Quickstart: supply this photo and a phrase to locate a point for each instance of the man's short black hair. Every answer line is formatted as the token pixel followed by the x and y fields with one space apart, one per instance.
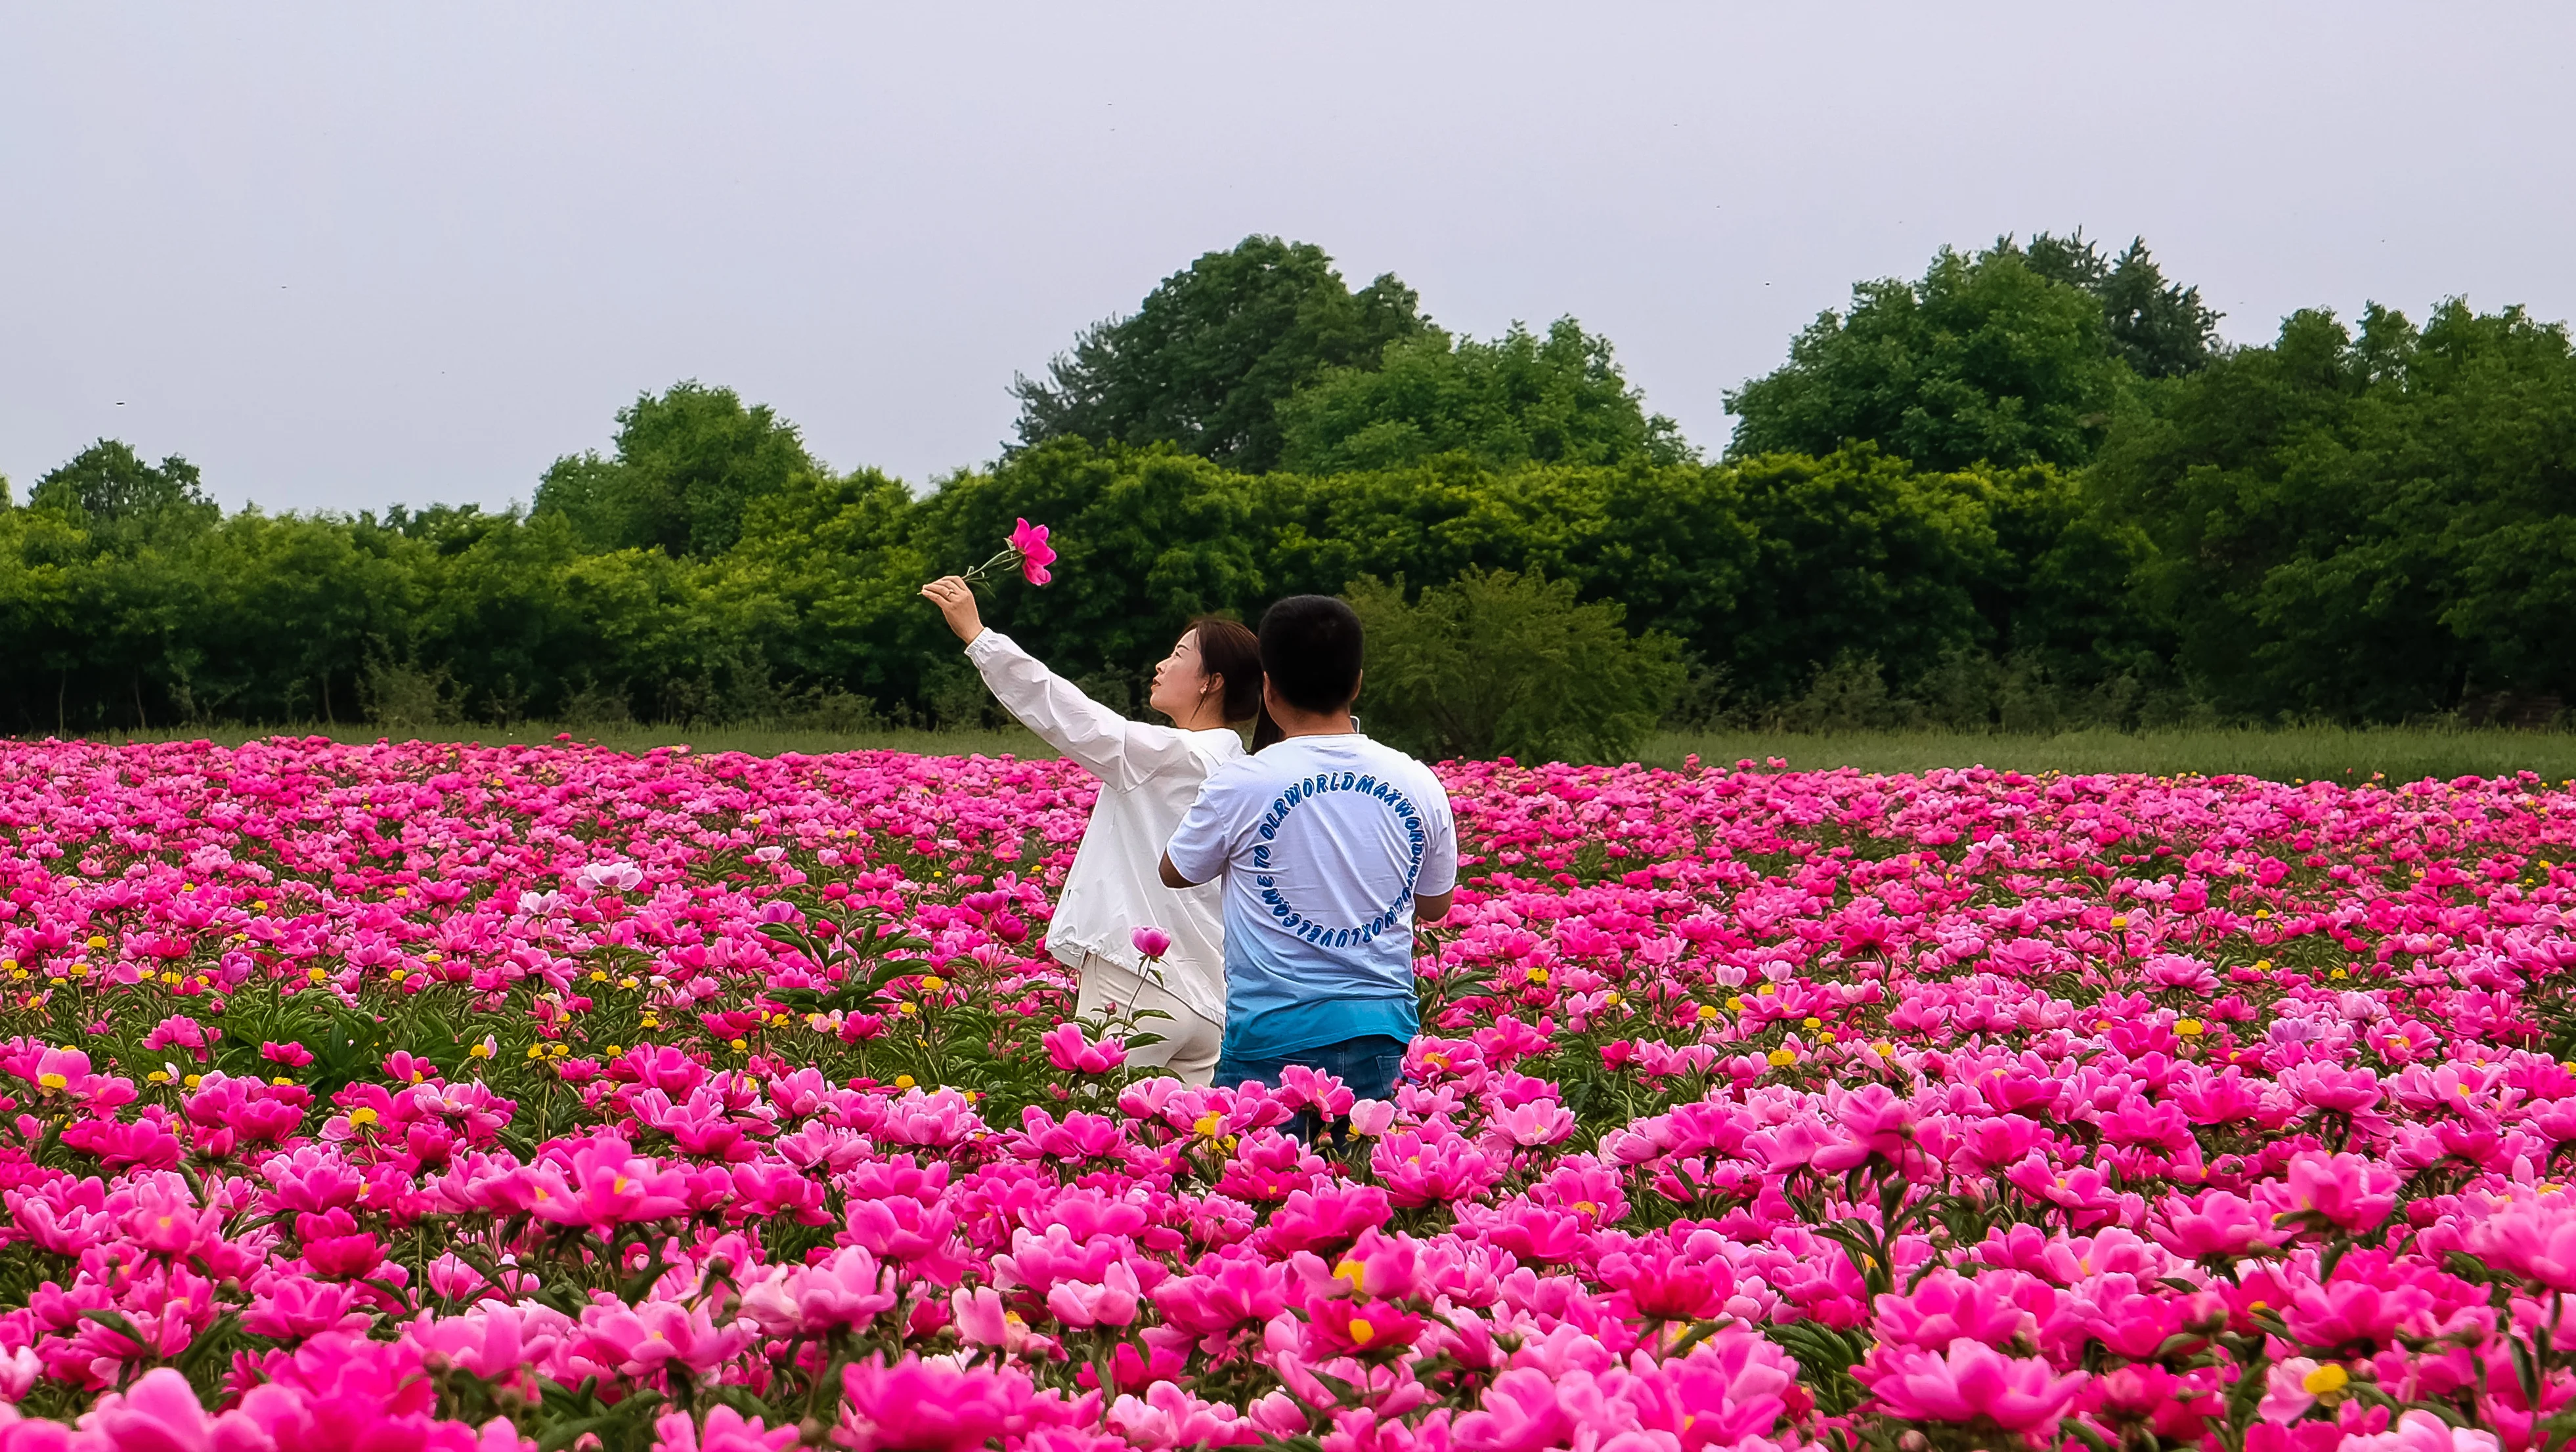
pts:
pixel 1310 650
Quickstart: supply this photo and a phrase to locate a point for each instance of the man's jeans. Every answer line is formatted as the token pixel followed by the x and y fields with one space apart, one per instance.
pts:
pixel 1368 1067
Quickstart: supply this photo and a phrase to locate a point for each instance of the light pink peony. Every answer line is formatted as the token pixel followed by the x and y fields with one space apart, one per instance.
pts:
pixel 1970 1382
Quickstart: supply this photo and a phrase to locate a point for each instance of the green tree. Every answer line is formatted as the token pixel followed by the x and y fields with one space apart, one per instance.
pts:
pixel 525 617
pixel 42 554
pixel 122 500
pixel 1672 544
pixel 832 564
pixel 687 465
pixel 1504 664
pixel 1987 359
pixel 1517 400
pixel 2160 329
pixel 1860 553
pixel 104 590
pixel 1208 357
pixel 2364 525
pixel 289 610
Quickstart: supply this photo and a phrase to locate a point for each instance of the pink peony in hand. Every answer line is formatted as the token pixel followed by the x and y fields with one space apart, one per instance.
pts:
pixel 1028 548
pixel 1030 541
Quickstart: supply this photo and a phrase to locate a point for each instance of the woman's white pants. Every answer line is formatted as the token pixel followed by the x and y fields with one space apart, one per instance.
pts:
pixel 1190 1043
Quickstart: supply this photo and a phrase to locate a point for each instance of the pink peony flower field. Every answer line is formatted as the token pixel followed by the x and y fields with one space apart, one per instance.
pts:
pixel 424 1096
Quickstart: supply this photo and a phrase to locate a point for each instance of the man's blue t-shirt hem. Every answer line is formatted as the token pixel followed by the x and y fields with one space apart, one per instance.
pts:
pixel 1284 1031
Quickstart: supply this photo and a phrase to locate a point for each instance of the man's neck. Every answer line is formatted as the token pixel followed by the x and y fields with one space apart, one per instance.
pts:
pixel 1314 723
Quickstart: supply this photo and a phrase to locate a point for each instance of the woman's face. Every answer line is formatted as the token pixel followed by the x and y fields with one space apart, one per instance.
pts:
pixel 1180 683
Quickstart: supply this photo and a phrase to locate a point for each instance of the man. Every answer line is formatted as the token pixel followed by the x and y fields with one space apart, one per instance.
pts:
pixel 1331 846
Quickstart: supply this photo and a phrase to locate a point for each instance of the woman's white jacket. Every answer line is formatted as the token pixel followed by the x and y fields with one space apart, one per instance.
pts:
pixel 1149 775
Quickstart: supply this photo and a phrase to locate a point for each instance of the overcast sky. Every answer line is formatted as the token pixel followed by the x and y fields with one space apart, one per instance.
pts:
pixel 343 256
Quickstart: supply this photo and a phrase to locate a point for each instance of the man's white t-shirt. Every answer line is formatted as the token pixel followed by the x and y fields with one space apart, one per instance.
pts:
pixel 1324 842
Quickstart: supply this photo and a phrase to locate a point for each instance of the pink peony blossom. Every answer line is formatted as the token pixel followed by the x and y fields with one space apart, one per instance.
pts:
pixel 918 1406
pixel 1970 1382
pixel 1030 542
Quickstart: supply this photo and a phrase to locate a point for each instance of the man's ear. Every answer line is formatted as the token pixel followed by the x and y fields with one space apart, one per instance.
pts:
pixel 1359 683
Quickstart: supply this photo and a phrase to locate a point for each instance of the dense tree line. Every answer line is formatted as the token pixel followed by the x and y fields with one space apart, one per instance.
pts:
pixel 1756 567
pixel 2027 488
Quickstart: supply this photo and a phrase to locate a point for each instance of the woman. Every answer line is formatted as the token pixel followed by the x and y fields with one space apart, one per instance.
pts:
pixel 1209 684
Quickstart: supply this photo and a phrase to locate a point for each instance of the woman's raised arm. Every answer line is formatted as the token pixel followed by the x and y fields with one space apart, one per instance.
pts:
pixel 1120 752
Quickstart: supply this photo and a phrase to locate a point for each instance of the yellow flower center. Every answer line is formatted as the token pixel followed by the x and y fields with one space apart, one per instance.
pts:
pixel 2325 1379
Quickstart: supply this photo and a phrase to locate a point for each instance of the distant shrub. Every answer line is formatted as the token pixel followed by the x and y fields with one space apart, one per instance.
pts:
pixel 405 698
pixel 1504 664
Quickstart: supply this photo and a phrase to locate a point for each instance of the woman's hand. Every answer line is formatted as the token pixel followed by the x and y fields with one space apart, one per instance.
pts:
pixel 956 600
